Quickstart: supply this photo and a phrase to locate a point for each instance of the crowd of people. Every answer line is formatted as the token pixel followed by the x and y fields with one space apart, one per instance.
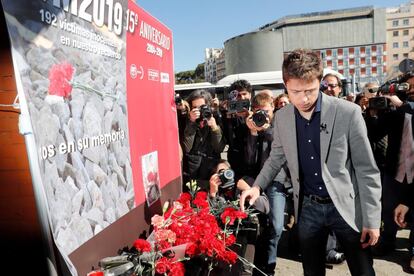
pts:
pixel 342 161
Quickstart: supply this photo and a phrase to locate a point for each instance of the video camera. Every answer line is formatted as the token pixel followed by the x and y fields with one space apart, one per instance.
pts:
pixel 396 86
pixel 238 106
pixel 227 180
pixel 260 117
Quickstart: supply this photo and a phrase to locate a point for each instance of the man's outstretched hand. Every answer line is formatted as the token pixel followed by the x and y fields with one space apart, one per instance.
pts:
pixel 252 194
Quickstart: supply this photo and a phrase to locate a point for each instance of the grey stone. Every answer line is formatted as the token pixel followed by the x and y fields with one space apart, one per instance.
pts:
pixel 94 216
pixel 117 169
pixel 110 215
pixel 61 109
pixel 47 128
pixel 66 240
pixel 96 195
pixel 77 103
pixel 81 228
pixel 77 202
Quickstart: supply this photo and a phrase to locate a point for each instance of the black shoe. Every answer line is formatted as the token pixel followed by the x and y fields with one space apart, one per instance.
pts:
pixel 335 258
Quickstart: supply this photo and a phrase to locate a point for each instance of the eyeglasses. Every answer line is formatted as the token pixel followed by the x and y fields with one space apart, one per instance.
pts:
pixel 332 85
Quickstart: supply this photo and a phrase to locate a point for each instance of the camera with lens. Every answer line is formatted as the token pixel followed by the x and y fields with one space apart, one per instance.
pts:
pixel 260 117
pixel 178 100
pixel 396 86
pixel 237 106
pixel 205 112
pixel 227 179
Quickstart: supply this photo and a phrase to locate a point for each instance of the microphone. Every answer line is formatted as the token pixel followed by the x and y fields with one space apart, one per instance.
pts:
pixel 323 128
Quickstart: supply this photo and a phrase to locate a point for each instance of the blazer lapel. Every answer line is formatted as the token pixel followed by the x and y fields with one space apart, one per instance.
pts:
pixel 328 113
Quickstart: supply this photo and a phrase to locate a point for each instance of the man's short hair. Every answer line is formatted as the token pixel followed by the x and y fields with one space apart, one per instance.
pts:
pixel 241 85
pixel 303 64
pixel 338 80
pixel 261 99
pixel 199 94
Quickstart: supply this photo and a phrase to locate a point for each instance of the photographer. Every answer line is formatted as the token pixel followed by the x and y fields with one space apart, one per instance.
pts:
pixel 222 188
pixel 203 139
pixel 235 129
pixel 183 109
pixel 399 162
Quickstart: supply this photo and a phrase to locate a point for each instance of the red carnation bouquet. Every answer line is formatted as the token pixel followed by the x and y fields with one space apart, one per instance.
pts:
pixel 187 231
pixel 61 83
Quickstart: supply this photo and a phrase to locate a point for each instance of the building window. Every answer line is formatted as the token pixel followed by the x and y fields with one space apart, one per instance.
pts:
pixel 323 55
pixel 368 50
pixel 405 32
pixel 395 56
pixel 379 49
pixel 395 45
pixel 363 71
pixel 368 61
pixel 405 44
pixel 406 22
pixel 346 63
pixel 395 33
pixel 345 52
pixel 405 55
pixel 357 73
pixel 368 70
pixel 328 53
pixel 357 51
pixel 357 61
pixel 395 23
pixel 340 52
pixel 379 61
pixel 334 53
pixel 335 65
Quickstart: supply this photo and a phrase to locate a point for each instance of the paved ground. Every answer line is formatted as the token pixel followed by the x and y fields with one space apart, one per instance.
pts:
pixel 394 265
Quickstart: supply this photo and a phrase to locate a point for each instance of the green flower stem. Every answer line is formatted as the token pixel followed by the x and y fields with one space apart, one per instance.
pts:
pixel 90 89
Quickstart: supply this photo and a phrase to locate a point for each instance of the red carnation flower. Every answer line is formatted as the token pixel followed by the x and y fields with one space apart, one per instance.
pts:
pixel 60 76
pixel 177 269
pixel 142 245
pixel 162 265
pixel 230 215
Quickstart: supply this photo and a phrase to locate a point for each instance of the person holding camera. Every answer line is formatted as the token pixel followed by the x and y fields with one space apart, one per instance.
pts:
pixel 222 188
pixel 203 139
pixel 336 183
pixel 234 123
pixel 397 125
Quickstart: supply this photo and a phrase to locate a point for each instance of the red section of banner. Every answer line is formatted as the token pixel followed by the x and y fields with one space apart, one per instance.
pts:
pixel 150 98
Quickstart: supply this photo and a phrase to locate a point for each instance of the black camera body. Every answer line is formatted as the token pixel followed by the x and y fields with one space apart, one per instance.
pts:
pixel 205 112
pixel 260 117
pixel 178 100
pixel 396 86
pixel 227 179
pixel 237 106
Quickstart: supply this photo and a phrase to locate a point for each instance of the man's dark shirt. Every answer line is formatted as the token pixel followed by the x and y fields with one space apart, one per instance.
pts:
pixel 309 152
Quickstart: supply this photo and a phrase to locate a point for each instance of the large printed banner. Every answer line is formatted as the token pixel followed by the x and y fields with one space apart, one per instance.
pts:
pixel 97 77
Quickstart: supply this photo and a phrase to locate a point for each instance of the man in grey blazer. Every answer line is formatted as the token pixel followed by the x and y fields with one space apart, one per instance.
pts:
pixel 336 183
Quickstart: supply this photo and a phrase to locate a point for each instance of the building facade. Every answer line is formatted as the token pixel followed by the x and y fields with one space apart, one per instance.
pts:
pixel 212 56
pixel 400 36
pixel 350 41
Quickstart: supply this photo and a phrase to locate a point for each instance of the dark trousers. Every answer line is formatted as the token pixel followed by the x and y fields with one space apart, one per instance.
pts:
pixel 315 222
pixel 391 192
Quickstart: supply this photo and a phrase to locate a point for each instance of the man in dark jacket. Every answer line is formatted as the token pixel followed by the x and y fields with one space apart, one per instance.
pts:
pixel 203 140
